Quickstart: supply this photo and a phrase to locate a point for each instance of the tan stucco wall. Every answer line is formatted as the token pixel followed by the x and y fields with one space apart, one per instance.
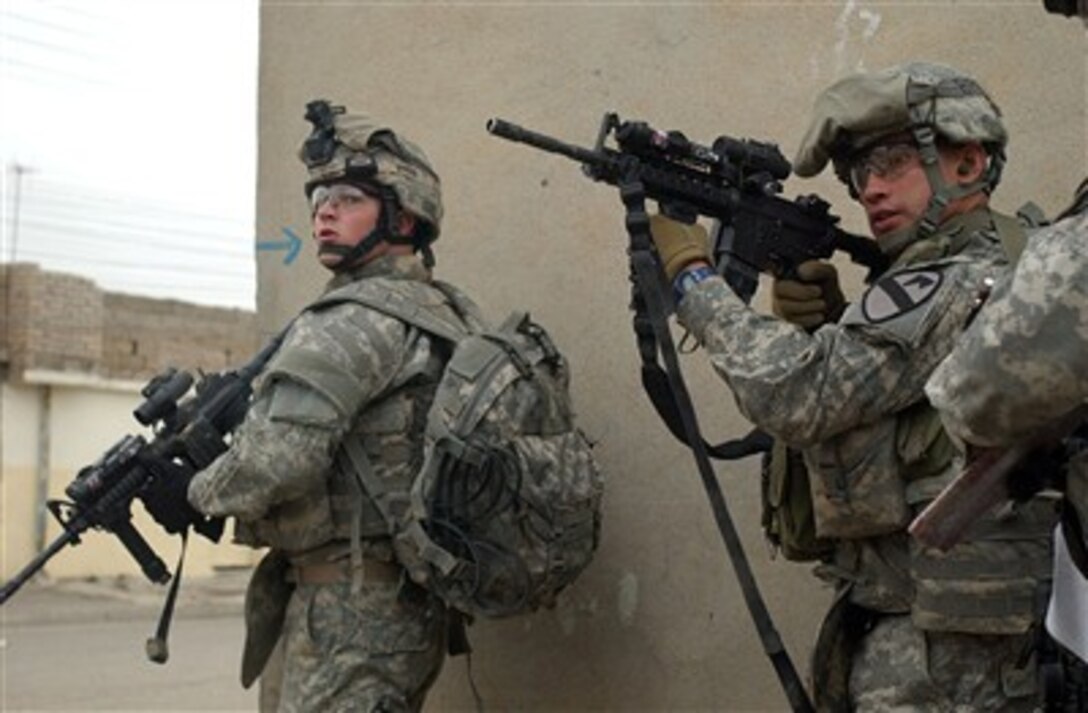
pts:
pixel 657 622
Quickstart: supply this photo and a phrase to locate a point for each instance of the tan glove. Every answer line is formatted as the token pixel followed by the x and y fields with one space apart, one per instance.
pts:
pixel 813 299
pixel 678 244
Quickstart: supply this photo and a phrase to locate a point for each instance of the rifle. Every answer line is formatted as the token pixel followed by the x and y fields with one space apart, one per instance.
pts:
pixel 736 182
pixel 192 432
pixel 983 485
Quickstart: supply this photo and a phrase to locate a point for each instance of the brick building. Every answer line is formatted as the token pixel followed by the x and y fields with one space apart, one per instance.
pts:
pixel 58 322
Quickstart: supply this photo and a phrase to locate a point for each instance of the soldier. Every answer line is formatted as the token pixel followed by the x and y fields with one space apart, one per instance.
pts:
pixel 356 633
pixel 1022 366
pixel 921 147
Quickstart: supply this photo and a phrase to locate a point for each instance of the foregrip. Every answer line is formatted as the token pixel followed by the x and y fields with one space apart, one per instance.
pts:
pixel 153 567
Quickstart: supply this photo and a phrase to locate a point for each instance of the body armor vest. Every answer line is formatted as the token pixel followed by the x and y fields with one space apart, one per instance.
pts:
pixel 386 435
pixel 867 485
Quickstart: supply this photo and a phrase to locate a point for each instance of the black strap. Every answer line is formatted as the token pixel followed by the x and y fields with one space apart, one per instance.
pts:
pixel 656 383
pixel 156 647
pixel 1073 530
pixel 651 314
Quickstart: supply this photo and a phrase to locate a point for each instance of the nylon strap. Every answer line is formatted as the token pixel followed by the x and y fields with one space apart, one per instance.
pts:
pixel 651 310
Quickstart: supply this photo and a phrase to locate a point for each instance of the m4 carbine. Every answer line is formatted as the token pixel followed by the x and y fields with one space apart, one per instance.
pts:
pixel 736 182
pixel 188 433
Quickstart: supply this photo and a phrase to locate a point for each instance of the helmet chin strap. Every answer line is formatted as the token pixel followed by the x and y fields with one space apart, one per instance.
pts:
pixel 351 254
pixel 921 100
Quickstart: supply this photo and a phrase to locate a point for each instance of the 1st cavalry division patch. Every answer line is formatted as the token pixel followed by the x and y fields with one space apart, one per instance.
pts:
pixel 897 294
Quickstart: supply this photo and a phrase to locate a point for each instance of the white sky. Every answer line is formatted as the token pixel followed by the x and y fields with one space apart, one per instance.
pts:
pixel 135 121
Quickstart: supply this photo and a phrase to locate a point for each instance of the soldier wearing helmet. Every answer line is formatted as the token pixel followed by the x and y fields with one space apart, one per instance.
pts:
pixel 920 146
pixel 349 154
pixel 345 396
pixel 1017 380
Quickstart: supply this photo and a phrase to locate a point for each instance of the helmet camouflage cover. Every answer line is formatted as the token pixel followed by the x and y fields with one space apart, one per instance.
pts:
pixel 354 147
pixel 861 108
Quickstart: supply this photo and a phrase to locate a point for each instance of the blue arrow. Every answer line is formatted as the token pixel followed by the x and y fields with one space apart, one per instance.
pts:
pixel 292 245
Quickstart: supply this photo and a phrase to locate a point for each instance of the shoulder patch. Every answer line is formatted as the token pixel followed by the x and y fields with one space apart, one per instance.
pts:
pixel 900 293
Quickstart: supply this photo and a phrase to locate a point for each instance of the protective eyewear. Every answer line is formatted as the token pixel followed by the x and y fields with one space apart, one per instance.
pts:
pixel 886 161
pixel 338 196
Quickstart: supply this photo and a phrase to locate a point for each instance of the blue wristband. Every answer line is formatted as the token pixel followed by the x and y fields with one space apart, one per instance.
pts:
pixel 689 278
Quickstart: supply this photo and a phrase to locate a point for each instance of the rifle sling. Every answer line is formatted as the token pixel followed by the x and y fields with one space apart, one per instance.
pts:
pixel 650 305
pixel 156 647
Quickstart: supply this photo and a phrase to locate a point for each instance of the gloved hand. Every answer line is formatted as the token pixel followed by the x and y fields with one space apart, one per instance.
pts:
pixel 678 244
pixel 1043 467
pixel 811 300
pixel 166 496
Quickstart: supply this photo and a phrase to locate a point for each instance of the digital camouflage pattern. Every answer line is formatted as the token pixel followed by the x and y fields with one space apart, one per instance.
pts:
pixel 1024 361
pixel 280 479
pixel 502 427
pixel 399 164
pixel 864 106
pixel 375 650
pixel 900 667
pixel 1023 364
pixel 850 395
pixel 505 510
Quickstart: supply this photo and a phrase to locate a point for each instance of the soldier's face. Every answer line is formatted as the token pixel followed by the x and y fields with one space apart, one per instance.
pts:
pixel 343 215
pixel 897 199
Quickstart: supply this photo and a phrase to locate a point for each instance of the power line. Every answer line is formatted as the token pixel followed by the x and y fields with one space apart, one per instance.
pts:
pixel 82 261
pixel 53 47
pixel 128 204
pixel 98 233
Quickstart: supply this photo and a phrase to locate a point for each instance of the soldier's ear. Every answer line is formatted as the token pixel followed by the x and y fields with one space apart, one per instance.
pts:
pixel 972 163
pixel 405 223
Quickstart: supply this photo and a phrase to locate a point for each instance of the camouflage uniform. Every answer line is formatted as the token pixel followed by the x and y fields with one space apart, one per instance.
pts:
pixel 356 634
pixel 911 628
pixel 1023 363
pixel 1025 359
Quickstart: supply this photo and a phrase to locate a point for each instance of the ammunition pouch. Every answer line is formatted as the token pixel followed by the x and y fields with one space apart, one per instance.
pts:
pixel 857 486
pixel 991 582
pixel 788 520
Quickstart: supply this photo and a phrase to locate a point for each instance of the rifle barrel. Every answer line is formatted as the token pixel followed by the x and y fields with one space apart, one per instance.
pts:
pixel 513 132
pixel 13 585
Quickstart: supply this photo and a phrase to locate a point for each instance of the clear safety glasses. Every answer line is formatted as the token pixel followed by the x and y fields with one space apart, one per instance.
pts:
pixel 338 195
pixel 887 161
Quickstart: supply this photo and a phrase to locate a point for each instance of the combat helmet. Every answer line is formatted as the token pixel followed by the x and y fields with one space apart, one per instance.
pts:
pixel 356 149
pixel 926 99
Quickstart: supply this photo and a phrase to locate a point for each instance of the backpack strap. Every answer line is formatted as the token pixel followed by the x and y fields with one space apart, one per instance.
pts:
pixel 466 309
pixel 1011 233
pixel 403 300
pixel 413 303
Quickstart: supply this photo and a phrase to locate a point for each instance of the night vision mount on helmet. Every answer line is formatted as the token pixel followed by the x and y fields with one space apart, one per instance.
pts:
pixel 353 148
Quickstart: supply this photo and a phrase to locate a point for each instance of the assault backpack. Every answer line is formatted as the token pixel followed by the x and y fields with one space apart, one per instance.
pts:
pixel 505 510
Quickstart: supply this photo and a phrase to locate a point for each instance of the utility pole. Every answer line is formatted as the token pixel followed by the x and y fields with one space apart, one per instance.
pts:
pixel 18 170
pixel 45 395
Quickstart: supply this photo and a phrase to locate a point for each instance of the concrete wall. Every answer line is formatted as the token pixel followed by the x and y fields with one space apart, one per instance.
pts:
pixel 657 623
pixel 81 421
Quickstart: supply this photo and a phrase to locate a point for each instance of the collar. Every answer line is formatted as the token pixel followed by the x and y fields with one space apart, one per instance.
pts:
pixel 952 237
pixel 396 267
